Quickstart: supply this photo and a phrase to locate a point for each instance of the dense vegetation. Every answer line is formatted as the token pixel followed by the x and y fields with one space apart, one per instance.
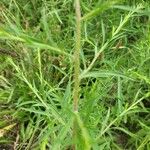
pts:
pixel 48 102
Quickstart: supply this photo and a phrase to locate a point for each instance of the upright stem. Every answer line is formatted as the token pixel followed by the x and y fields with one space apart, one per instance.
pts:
pixel 77 56
pixel 76 68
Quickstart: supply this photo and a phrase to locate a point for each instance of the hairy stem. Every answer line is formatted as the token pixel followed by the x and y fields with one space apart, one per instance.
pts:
pixel 77 56
pixel 76 67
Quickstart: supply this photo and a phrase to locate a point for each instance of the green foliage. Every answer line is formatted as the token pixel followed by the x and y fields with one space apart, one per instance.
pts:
pixel 36 83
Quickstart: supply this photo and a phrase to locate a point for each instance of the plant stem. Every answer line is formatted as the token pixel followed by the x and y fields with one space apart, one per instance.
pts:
pixel 76 67
pixel 77 56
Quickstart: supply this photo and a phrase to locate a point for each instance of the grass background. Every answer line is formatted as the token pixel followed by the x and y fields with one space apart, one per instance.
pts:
pixel 36 75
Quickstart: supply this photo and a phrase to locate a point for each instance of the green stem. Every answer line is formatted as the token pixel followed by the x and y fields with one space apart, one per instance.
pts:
pixel 77 56
pixel 76 68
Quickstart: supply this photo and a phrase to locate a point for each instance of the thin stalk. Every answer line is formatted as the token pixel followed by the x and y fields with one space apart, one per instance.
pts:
pixel 76 63
pixel 94 59
pixel 77 56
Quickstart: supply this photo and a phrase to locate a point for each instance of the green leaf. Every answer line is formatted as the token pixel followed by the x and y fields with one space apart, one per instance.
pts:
pixel 99 10
pixel 97 74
